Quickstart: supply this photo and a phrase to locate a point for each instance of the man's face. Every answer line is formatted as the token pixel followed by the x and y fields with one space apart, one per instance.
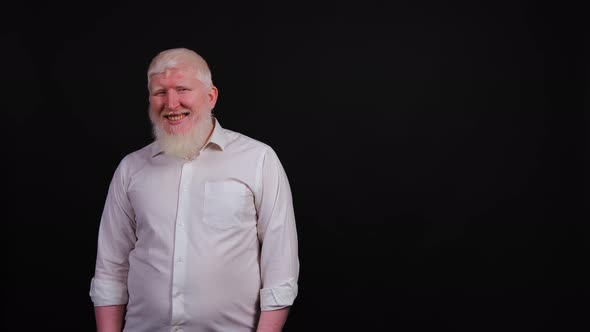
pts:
pixel 178 100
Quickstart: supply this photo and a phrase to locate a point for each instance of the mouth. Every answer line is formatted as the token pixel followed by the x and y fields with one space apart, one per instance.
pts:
pixel 176 116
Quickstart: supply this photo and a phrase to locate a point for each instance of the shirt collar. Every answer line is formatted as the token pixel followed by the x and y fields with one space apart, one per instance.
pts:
pixel 218 137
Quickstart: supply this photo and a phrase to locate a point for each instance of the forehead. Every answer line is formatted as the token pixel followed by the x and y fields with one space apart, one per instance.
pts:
pixel 174 76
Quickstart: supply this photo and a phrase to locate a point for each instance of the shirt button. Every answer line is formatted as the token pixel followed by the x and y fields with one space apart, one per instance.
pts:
pixel 179 259
pixel 177 294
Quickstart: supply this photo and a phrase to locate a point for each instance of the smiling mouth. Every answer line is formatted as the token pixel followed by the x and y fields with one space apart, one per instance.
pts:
pixel 176 116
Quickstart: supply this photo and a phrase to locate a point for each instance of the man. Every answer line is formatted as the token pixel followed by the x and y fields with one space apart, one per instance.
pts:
pixel 198 230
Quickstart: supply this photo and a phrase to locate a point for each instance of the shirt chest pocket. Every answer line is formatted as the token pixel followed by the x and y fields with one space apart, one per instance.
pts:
pixel 225 203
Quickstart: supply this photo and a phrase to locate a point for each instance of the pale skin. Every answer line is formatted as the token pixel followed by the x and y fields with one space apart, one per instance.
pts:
pixel 178 99
pixel 109 318
pixel 272 321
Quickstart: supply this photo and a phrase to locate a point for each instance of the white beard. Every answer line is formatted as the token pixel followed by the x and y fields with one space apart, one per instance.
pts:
pixel 185 145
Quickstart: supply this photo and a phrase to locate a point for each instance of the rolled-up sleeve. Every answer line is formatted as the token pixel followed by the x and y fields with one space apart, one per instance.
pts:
pixel 116 239
pixel 277 234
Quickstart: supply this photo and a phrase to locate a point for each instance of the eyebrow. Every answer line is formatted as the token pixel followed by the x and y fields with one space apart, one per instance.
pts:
pixel 159 88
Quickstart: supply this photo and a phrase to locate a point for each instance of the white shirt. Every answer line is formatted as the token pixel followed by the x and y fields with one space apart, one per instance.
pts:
pixel 198 245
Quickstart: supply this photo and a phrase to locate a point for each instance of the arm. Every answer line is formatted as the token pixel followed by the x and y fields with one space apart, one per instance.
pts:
pixel 116 238
pixel 109 318
pixel 279 262
pixel 272 321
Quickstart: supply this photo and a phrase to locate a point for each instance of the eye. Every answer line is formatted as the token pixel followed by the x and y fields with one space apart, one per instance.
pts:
pixel 160 93
pixel 182 89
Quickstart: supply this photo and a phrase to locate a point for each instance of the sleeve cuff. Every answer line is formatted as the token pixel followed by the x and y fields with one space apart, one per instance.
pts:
pixel 278 297
pixel 108 292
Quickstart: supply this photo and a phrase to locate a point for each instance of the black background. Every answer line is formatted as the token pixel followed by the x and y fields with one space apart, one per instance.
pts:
pixel 437 151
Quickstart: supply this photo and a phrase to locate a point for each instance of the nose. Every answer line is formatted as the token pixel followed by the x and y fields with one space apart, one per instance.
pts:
pixel 172 102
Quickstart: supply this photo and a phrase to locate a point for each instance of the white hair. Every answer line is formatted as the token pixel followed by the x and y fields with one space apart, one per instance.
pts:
pixel 183 145
pixel 180 58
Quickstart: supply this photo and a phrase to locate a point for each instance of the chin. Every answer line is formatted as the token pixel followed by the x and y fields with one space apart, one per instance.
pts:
pixel 182 141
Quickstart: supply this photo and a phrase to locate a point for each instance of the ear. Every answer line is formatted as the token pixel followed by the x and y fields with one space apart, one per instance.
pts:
pixel 212 95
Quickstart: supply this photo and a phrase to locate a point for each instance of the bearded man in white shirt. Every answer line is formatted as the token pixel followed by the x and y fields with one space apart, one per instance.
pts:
pixel 198 230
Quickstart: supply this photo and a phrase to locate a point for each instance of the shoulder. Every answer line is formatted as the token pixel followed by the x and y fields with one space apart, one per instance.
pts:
pixel 238 141
pixel 138 159
pixel 261 153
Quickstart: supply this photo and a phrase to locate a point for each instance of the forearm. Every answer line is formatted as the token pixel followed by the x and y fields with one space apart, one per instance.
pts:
pixel 109 318
pixel 273 320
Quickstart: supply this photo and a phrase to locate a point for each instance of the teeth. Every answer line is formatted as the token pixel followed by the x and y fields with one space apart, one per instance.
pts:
pixel 175 117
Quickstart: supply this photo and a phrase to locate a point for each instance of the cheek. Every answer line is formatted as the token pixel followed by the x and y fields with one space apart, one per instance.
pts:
pixel 155 105
pixel 186 102
pixel 193 102
pixel 154 112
